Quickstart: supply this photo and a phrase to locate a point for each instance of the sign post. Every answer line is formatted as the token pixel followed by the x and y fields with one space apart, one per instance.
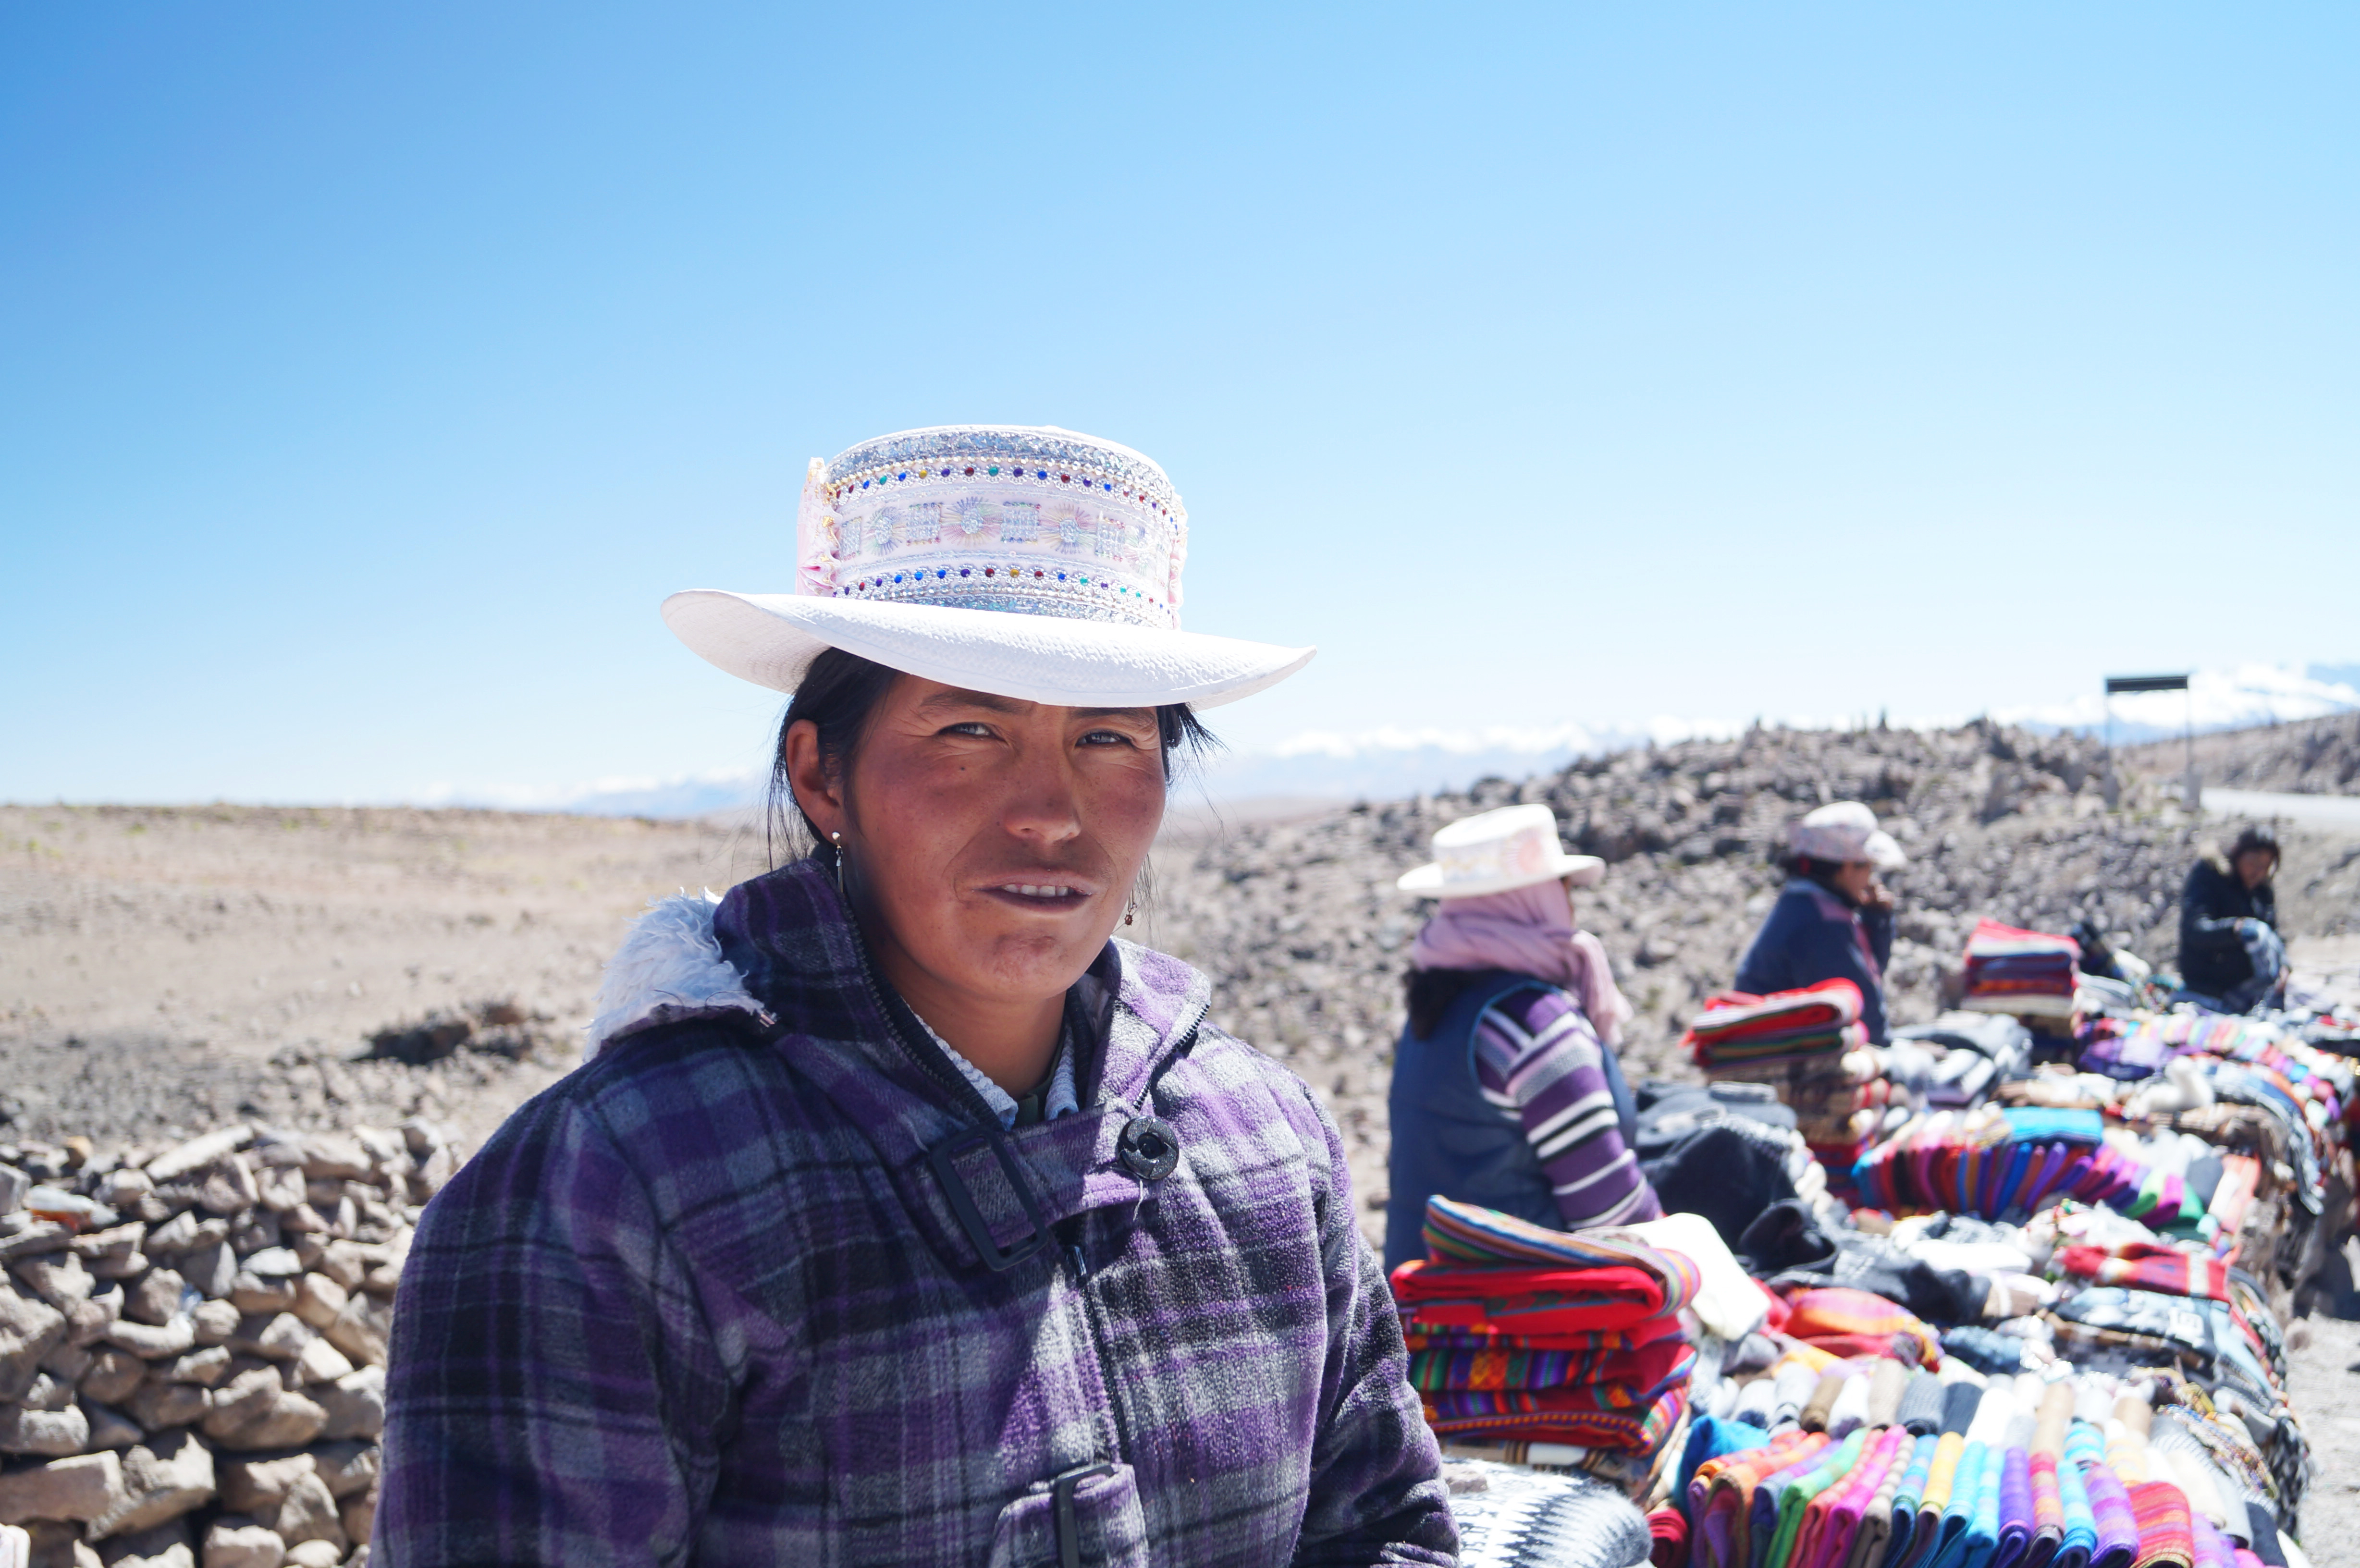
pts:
pixel 2116 684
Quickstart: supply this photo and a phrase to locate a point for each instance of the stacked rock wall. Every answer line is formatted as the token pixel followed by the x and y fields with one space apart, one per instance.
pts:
pixel 193 1342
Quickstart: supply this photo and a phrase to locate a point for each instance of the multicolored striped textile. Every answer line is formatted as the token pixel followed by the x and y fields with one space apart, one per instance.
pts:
pixel 1489 1271
pixel 2110 1509
pixel 1646 1331
pixel 2048 1509
pixel 2009 970
pixel 1778 1503
pixel 1516 1303
pixel 2147 1266
pixel 2019 1519
pixel 1648 1370
pixel 1784 1026
pixel 2081 1540
pixel 1845 1322
pixel 1577 1398
pixel 1721 1498
pixel 2167 1540
pixel 1527 1301
pixel 1643 1430
pixel 1470 1234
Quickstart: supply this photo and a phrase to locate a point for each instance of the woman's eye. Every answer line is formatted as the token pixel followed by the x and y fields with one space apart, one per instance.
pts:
pixel 1106 738
pixel 972 727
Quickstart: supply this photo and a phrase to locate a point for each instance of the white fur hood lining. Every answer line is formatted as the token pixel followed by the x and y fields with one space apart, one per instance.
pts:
pixel 669 966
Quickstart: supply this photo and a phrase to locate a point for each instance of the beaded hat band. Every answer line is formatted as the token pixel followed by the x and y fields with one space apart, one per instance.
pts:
pixel 1038 521
pixel 1031 562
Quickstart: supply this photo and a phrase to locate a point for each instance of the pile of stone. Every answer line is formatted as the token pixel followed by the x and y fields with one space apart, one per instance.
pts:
pixel 193 1342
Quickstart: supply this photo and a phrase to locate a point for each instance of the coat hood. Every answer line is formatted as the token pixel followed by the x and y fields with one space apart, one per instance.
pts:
pixel 670 967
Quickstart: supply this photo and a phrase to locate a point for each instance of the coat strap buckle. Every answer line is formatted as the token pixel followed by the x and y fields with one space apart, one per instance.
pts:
pixel 944 1156
pixel 1069 1534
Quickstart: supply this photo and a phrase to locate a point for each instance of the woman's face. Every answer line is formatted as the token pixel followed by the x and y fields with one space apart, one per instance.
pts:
pixel 993 843
pixel 2254 867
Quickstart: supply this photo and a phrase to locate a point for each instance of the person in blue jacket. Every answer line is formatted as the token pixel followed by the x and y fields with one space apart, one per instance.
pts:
pixel 1834 919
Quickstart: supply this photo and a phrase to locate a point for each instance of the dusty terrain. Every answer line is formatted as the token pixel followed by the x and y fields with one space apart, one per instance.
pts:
pixel 163 969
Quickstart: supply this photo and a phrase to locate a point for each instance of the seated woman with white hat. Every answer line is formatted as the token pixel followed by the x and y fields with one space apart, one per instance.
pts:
pixel 900 1214
pixel 1506 1091
pixel 1834 919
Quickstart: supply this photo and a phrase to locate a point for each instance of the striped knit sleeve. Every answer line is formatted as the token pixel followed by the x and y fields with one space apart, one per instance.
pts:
pixel 1538 1060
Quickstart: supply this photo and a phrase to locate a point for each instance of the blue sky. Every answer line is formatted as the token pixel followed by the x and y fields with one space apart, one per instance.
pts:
pixel 367 373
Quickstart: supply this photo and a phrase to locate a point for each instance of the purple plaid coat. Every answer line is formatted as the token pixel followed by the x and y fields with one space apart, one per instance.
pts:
pixel 726 1296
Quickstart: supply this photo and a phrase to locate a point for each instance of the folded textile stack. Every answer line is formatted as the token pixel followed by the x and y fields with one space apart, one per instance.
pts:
pixel 2026 974
pixel 1521 1333
pixel 1809 1047
pixel 1736 1028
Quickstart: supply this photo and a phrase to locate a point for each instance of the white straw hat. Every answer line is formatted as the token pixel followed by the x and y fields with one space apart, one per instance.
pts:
pixel 1846 831
pixel 1029 563
pixel 1515 847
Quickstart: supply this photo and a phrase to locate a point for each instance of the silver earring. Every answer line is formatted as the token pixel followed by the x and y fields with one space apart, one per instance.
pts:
pixel 836 839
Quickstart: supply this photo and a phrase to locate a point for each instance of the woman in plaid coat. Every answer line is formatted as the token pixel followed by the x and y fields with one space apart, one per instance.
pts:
pixel 900 1214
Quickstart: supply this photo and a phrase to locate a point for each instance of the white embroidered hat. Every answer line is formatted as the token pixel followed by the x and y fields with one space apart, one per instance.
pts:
pixel 1846 831
pixel 1029 563
pixel 1515 847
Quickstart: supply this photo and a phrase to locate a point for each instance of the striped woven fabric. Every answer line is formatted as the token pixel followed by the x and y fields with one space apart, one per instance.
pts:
pixel 1470 1234
pixel 1572 1397
pixel 2167 1540
pixel 2145 1265
pixel 1646 1369
pixel 1642 1431
pixel 1720 1495
pixel 1527 1301
pixel 1646 1331
pixel 1845 1322
pixel 1817 1021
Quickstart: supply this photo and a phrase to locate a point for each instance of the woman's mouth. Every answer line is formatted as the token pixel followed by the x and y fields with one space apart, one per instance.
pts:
pixel 1042 895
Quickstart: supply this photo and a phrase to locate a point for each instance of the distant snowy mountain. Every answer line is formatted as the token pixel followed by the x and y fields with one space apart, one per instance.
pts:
pixel 2215 700
pixel 1387 763
pixel 689 795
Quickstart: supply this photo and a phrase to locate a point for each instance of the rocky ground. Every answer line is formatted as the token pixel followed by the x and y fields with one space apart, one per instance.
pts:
pixel 2315 757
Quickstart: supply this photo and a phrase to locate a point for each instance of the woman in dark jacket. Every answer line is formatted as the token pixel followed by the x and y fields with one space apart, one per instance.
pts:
pixel 2230 950
pixel 1833 919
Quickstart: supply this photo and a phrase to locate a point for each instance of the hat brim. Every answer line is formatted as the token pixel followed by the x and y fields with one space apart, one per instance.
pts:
pixel 1884 853
pixel 771 639
pixel 1425 881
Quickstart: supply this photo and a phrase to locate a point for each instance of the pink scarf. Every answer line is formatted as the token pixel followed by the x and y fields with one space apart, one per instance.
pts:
pixel 1526 931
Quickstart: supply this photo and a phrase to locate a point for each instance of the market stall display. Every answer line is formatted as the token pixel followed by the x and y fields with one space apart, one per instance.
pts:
pixel 2034 1320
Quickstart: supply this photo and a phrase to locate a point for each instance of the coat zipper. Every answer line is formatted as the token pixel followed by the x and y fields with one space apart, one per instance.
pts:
pixel 936 1065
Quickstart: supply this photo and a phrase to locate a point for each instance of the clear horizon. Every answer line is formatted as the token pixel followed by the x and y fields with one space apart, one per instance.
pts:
pixel 374 374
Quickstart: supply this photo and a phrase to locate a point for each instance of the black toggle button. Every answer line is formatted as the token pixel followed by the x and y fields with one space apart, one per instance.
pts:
pixel 1149 1147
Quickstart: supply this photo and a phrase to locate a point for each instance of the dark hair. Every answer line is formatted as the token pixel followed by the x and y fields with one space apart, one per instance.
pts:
pixel 2258 836
pixel 839 694
pixel 1812 869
